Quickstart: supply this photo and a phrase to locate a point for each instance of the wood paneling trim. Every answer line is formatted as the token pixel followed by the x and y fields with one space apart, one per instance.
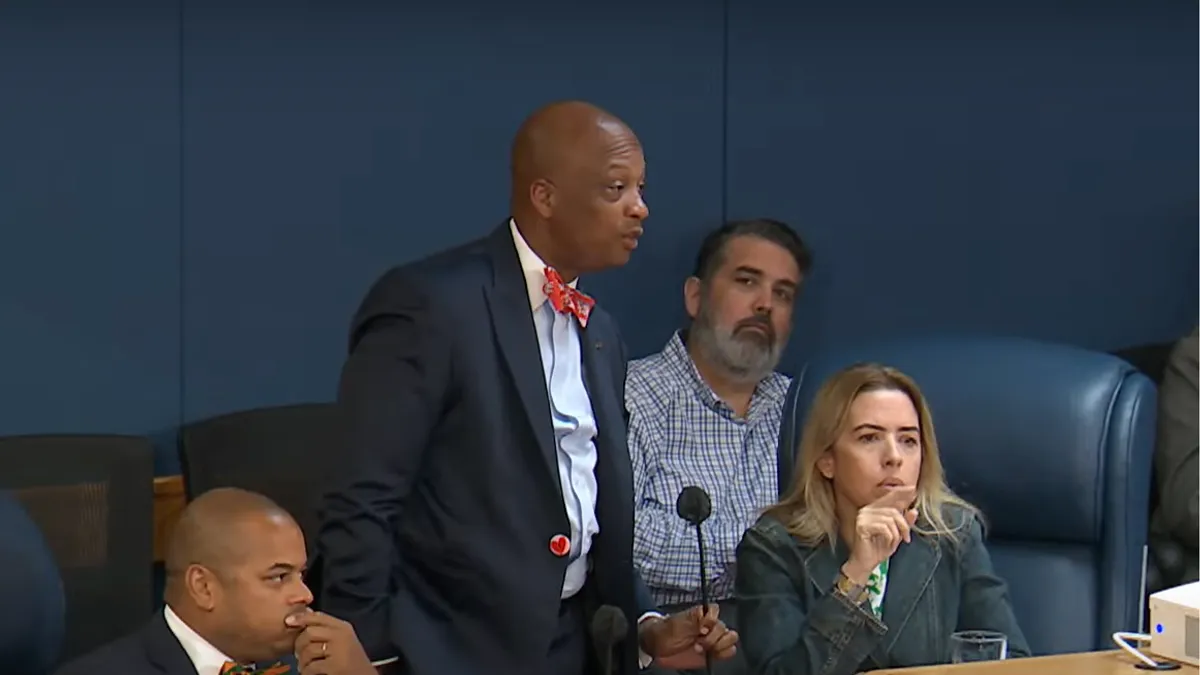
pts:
pixel 169 500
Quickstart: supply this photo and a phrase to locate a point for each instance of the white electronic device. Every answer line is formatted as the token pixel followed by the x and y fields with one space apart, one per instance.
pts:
pixel 1175 624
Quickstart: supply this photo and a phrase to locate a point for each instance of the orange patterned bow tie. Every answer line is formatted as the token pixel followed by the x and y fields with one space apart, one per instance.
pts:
pixel 231 668
pixel 565 299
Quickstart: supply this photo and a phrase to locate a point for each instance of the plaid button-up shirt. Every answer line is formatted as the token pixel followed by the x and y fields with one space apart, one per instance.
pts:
pixel 681 434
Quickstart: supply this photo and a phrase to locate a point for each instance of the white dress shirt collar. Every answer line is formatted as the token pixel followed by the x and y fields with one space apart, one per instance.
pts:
pixel 207 659
pixel 533 267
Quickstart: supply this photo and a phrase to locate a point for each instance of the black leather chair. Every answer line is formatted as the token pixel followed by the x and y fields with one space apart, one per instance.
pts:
pixel 1055 444
pixel 92 497
pixel 283 452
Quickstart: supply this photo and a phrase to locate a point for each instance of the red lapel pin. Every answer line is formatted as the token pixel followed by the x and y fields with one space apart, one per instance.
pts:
pixel 560 545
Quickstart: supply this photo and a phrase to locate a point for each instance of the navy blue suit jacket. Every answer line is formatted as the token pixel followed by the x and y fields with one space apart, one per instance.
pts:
pixel 435 542
pixel 152 650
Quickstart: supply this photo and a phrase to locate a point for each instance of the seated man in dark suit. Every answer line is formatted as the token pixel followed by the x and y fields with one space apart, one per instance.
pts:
pixel 235 596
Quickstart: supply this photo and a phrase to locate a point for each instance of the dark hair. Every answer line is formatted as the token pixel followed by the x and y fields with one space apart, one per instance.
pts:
pixel 712 249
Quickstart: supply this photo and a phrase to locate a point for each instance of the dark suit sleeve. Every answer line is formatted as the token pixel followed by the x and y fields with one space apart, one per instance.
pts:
pixel 643 598
pixel 624 377
pixel 391 393
pixel 645 602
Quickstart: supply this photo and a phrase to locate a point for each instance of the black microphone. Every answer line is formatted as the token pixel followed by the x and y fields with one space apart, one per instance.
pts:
pixel 609 627
pixel 695 506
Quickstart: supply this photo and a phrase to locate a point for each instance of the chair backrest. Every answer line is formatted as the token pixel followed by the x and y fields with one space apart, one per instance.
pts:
pixel 282 452
pixel 31 592
pixel 1055 445
pixel 92 497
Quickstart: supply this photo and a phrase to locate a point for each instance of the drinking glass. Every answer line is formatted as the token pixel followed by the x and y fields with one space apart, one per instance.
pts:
pixel 978 645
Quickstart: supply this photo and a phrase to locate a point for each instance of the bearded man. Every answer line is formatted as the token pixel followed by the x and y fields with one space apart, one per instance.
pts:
pixel 706 411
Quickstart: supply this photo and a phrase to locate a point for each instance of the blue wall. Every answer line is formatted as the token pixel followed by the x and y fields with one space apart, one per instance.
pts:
pixel 194 196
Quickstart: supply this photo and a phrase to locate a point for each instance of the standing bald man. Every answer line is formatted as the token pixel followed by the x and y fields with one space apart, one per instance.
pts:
pixel 487 507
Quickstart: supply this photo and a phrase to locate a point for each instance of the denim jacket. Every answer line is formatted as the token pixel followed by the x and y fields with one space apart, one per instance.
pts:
pixel 792 623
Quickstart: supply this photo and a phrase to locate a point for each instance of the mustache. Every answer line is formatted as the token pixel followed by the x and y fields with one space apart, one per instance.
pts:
pixel 758 321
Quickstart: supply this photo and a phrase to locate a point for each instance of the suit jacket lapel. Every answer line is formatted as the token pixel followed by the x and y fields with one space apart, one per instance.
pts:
pixel 512 321
pixel 613 473
pixel 612 547
pixel 162 648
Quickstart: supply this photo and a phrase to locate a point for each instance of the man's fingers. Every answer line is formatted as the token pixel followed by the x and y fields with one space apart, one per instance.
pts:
pixel 315 634
pixel 306 655
pixel 714 635
pixel 696 621
pixel 898 498
pixel 319 667
pixel 298 619
pixel 313 618
pixel 726 645
pixel 709 619
pixel 310 644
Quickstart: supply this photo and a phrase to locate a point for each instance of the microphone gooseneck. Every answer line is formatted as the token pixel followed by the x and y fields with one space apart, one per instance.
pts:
pixel 695 506
pixel 609 627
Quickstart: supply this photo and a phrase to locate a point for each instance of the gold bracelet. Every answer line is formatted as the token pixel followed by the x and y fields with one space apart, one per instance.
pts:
pixel 854 592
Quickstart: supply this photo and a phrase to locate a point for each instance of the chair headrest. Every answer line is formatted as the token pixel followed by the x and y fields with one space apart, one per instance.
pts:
pixel 1023 426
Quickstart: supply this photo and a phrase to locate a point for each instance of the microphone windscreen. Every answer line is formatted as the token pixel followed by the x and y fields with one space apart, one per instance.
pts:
pixel 693 505
pixel 609 626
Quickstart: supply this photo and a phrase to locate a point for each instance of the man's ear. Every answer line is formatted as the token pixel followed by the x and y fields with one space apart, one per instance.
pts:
pixel 541 195
pixel 202 585
pixel 692 290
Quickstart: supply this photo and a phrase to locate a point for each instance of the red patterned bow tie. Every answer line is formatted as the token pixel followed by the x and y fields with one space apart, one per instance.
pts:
pixel 565 299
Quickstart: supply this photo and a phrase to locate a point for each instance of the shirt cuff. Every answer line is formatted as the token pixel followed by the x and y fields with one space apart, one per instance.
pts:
pixel 644 659
pixel 385 662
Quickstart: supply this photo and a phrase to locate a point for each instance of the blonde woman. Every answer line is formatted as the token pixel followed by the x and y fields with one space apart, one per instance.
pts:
pixel 870 561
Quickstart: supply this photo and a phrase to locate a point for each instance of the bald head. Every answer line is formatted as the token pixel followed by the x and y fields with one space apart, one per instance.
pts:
pixel 235 573
pixel 213 528
pixel 557 138
pixel 578 174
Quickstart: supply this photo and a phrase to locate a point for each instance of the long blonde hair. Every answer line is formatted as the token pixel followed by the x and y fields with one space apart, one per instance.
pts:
pixel 808 510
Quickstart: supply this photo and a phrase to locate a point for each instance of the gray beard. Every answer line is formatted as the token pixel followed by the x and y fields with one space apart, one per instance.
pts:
pixel 745 358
